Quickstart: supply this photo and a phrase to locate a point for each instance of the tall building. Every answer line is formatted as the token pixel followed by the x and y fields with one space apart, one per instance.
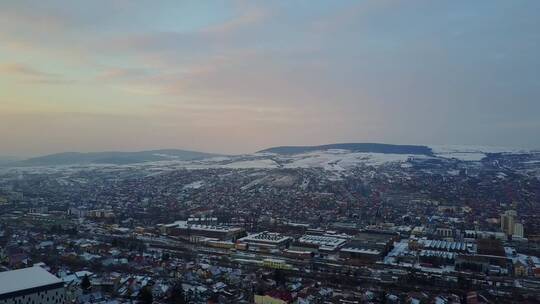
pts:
pixel 508 220
pixel 518 230
pixel 31 285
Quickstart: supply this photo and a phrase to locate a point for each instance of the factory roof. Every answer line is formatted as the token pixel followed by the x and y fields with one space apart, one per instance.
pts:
pixel 361 250
pixel 444 245
pixel 197 227
pixel 26 278
pixel 435 253
pixel 266 237
pixel 327 242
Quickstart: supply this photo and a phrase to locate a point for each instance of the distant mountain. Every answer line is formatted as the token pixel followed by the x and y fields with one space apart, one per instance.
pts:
pixel 5 160
pixel 354 147
pixel 117 158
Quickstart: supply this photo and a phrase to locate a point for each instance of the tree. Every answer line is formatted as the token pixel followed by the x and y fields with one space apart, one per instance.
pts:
pixel 464 283
pixel 165 257
pixel 214 298
pixel 279 277
pixel 177 295
pixel 85 283
pixel 146 296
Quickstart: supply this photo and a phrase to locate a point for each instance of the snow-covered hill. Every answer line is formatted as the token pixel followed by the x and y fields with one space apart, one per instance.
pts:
pixel 470 153
pixel 336 160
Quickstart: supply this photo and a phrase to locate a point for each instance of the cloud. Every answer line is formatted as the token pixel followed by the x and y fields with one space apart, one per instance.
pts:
pixel 23 70
pixel 297 72
pixel 27 73
pixel 121 73
pixel 245 19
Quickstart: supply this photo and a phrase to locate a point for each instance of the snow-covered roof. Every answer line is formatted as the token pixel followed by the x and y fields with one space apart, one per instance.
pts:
pixel 26 278
pixel 322 240
pixel 266 237
pixel 361 250
pixel 197 227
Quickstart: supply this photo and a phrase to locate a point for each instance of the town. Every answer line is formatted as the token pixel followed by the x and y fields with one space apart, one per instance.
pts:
pixel 419 231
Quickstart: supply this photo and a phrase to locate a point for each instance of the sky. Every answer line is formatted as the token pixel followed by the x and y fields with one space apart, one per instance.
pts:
pixel 240 76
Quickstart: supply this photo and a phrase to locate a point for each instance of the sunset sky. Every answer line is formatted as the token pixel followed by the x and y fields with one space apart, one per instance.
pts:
pixel 239 76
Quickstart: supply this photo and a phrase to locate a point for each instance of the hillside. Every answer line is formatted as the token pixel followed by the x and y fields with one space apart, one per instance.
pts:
pixel 118 158
pixel 354 147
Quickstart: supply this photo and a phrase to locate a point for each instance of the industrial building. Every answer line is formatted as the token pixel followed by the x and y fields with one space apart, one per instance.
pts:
pixel 266 240
pixel 481 263
pixel 31 285
pixel 187 230
pixel 476 234
pixel 369 246
pixel 356 254
pixel 490 247
pixel 439 245
pixel 322 242
pixel 436 258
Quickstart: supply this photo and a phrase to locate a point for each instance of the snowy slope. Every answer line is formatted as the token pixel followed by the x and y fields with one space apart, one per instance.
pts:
pixel 334 160
pixel 469 153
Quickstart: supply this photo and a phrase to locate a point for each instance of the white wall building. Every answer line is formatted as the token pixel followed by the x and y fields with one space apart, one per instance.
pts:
pixel 518 230
pixel 32 285
pixel 508 219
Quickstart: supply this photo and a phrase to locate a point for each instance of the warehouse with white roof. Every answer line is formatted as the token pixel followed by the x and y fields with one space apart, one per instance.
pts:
pixel 31 285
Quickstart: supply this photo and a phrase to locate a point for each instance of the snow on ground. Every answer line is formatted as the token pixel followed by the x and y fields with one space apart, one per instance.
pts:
pixel 441 270
pixel 501 175
pixel 256 163
pixel 336 161
pixel 217 159
pixel 400 248
pixel 453 172
pixel 165 155
pixel 465 156
pixel 377 159
pixel 322 159
pixel 469 153
pixel 439 149
pixel 341 160
pixel 459 152
pixel 194 185
pixel 523 258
